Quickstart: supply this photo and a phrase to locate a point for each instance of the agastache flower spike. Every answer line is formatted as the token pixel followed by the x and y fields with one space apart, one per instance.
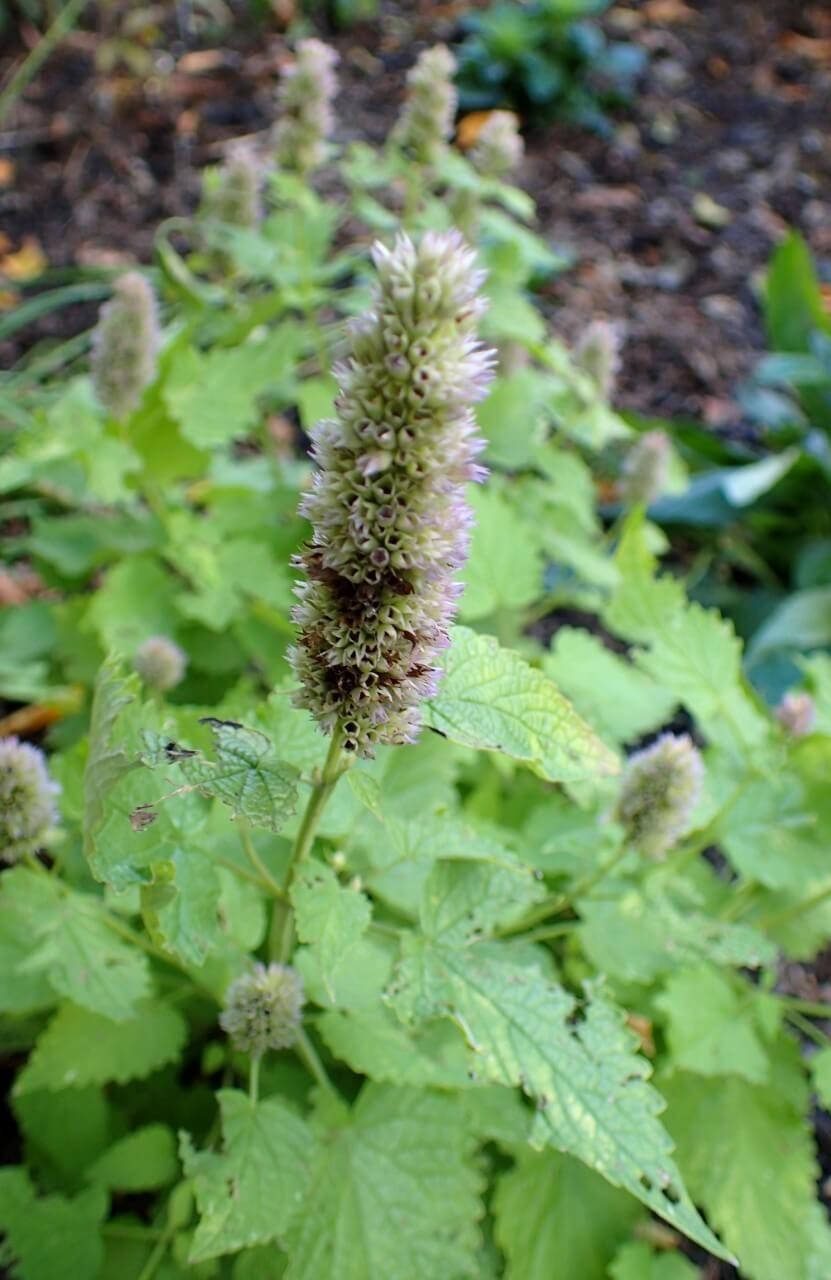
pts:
pixel 499 147
pixel 160 663
pixel 645 469
pixel 263 1009
pixel 236 197
pixel 661 787
pixel 598 354
pixel 387 505
pixel 305 96
pixel 426 120
pixel 27 799
pixel 125 344
pixel 797 714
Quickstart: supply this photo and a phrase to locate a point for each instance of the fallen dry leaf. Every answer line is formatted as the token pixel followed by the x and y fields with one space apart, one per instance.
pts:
pixel 470 126
pixel 668 11
pixel 7 171
pixel 642 1028
pixel 24 263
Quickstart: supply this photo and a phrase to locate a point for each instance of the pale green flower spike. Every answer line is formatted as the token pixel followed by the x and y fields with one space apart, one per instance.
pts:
pixel 305 97
pixel 661 787
pixel 125 344
pixel 160 663
pixel 236 197
pixel 499 147
pixel 646 469
pixel 263 1009
pixel 426 121
pixel 598 354
pixel 27 799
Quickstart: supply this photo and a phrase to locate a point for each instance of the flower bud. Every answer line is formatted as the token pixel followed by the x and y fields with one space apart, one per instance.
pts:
pixel 263 1009
pixel 426 121
pixel 645 469
pixel 305 97
pixel 390 520
pixel 661 787
pixel 27 804
pixel 235 194
pixel 124 345
pixel 499 147
pixel 797 714
pixel 598 354
pixel 160 663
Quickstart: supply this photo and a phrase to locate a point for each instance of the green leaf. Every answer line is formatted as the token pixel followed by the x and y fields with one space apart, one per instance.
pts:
pixel 180 908
pixel 636 1261
pixel 615 698
pixel 820 1064
pixel 248 1193
pixel 712 1029
pixel 107 760
pixel 65 1130
pixel 63 1058
pixel 72 946
pixel 794 305
pixel 772 833
pixel 504 570
pixel 393 1194
pixel 136 600
pixel 245 775
pixel 375 1044
pixel 465 900
pixel 802 621
pixel 557 1220
pixel 575 1062
pixel 510 418
pixel 50 1236
pixel 748 1154
pixel 328 915
pixel 213 397
pixel 491 699
pixel 143 1161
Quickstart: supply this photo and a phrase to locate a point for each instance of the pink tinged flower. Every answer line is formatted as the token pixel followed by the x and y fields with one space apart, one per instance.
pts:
pixel 125 345
pixel 235 198
pixel 661 788
pixel 264 1009
pixel 305 97
pixel 426 120
pixel 499 148
pixel 797 714
pixel 387 506
pixel 646 469
pixel 598 354
pixel 27 799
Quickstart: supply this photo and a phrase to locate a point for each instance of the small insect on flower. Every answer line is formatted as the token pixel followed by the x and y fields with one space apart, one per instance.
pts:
pixel 27 799
pixel 388 503
pixel 646 469
pixel 305 97
pixel 160 663
pixel 499 148
pixel 426 121
pixel 263 1009
pixel 598 354
pixel 232 192
pixel 125 345
pixel 797 714
pixel 661 787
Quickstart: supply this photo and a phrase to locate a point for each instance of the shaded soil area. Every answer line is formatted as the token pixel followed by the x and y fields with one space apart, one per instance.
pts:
pixel 671 221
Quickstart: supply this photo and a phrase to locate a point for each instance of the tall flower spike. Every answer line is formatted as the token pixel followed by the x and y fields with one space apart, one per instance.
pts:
pixel 661 787
pixel 235 197
pixel 598 354
pixel 797 714
pixel 388 505
pixel 645 469
pixel 499 147
pixel 426 121
pixel 160 663
pixel 27 799
pixel 263 1009
pixel 305 96
pixel 125 345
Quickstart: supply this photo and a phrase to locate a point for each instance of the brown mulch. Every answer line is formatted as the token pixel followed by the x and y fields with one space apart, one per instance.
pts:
pixel 671 222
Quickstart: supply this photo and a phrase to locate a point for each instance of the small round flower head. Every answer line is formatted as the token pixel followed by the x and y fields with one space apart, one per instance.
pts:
pixel 645 469
pixel 426 121
pixel 125 344
pixel 390 520
pixel 263 1009
pixel 235 198
pixel 598 354
pixel 305 96
pixel 27 799
pixel 661 787
pixel 160 663
pixel 797 714
pixel 499 147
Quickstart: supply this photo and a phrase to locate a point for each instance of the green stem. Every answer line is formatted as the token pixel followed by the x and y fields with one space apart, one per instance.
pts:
pixel 322 789
pixel 813 1008
pixel 254 1078
pixel 807 1028
pixel 157 1256
pixel 554 905
pixel 797 909
pixel 131 1231
pixel 309 1056
pixel 257 863
pixel 48 42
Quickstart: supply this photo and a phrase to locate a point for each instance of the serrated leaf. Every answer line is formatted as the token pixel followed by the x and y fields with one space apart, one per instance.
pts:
pixel 576 1063
pixel 64 1056
pixel 71 945
pixel 504 570
pixel 393 1194
pixel 462 901
pixel 820 1064
pixel 772 833
pixel 107 760
pixel 328 916
pixel 143 1161
pixel 490 698
pixel 711 1026
pixel 181 913
pixel 617 699
pixel 557 1220
pixel 748 1154
pixel 375 1044
pixel 136 600
pixel 248 1193
pixel 245 775
pixel 50 1236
